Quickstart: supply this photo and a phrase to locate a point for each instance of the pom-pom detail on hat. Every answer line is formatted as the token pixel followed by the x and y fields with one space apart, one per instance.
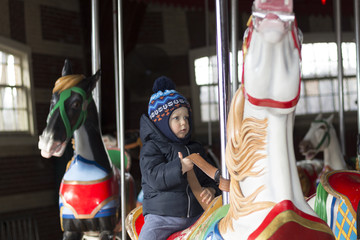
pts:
pixel 163 83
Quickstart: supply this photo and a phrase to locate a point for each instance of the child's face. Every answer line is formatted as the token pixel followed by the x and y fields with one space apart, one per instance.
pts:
pixel 179 122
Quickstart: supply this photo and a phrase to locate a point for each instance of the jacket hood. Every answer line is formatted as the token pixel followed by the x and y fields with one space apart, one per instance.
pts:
pixel 148 131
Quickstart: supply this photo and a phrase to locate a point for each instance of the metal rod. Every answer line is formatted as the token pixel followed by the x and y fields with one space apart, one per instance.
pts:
pixel 95 53
pixel 207 40
pixel 337 8
pixel 357 42
pixel 116 71
pixel 121 118
pixel 234 47
pixel 222 49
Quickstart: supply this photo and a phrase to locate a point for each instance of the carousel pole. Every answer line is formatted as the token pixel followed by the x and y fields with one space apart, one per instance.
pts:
pixel 234 46
pixel 357 41
pixel 120 114
pixel 95 53
pixel 222 49
pixel 337 8
pixel 209 67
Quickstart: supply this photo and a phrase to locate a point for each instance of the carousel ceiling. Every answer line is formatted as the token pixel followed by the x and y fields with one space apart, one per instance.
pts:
pixel 301 7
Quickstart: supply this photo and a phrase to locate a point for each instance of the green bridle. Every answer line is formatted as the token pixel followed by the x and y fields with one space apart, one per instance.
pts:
pixel 326 134
pixel 64 95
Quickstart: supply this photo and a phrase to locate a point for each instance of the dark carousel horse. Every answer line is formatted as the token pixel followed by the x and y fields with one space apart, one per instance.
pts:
pixel 89 194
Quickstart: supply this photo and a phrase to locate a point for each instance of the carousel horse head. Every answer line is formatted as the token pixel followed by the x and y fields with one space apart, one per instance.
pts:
pixel 317 137
pixel 70 101
pixel 272 55
pixel 321 137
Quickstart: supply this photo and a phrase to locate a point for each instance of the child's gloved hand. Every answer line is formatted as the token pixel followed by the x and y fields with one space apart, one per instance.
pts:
pixel 186 163
pixel 207 195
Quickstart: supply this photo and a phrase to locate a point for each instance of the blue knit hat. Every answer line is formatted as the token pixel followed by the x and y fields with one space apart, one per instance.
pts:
pixel 162 103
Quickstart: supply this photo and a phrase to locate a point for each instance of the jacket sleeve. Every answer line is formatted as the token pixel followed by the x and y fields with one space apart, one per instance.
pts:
pixel 156 171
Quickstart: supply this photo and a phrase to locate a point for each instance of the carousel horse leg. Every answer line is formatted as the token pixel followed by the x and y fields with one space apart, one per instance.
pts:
pixel 69 235
pixel 105 235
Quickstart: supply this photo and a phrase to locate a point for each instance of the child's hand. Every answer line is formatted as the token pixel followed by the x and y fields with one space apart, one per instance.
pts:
pixel 207 195
pixel 186 163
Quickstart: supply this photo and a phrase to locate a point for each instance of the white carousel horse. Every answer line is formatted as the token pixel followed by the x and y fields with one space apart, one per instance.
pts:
pixel 266 200
pixel 89 192
pixel 322 137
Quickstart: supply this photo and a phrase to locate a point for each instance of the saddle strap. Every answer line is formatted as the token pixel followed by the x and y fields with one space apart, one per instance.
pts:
pixel 211 171
pixel 195 187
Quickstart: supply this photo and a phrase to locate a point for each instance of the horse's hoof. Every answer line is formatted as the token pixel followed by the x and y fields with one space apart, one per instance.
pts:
pixel 105 235
pixel 72 235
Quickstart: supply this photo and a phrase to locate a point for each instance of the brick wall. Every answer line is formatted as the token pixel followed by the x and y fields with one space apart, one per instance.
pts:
pixel 17 20
pixel 60 25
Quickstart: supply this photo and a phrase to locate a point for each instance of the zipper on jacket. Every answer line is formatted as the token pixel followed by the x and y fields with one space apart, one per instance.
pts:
pixel 187 189
pixel 188 195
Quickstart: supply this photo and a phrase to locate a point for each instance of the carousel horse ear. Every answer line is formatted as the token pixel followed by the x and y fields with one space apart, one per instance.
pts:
pixel 93 80
pixel 318 117
pixel 67 70
pixel 330 118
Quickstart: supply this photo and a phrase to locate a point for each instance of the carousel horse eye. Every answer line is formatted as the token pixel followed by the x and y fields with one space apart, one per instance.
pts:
pixel 323 127
pixel 75 105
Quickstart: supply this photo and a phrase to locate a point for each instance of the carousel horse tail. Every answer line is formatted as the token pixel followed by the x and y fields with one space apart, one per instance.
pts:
pixel 320 202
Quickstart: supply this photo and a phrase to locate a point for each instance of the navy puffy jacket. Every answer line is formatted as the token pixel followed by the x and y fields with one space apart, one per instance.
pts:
pixel 166 190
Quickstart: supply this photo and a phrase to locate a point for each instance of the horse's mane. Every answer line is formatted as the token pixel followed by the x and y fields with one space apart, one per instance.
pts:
pixel 245 138
pixel 67 82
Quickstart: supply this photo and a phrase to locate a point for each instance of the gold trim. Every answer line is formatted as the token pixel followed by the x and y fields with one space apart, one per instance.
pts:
pixel 130 222
pixel 205 217
pixel 93 213
pixel 74 182
pixel 325 182
pixel 291 216
pixel 61 219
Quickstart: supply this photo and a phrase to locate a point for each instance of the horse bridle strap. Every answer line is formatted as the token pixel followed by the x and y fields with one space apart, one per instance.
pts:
pixel 64 95
pixel 211 171
pixel 326 134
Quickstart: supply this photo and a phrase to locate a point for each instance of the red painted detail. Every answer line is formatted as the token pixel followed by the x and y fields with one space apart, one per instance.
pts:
pixel 347 184
pixel 288 229
pixel 270 102
pixel 267 102
pixel 312 178
pixel 139 222
pixel 286 232
pixel 84 198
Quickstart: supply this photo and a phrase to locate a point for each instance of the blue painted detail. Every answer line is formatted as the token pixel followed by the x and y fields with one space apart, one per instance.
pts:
pixel 140 197
pixel 213 232
pixel 332 213
pixel 101 213
pixel 82 169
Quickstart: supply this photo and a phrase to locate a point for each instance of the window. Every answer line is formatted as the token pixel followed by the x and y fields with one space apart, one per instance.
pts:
pixel 319 86
pixel 206 78
pixel 16 106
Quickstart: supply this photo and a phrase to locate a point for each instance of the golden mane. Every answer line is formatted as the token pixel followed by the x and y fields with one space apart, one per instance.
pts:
pixel 67 82
pixel 245 138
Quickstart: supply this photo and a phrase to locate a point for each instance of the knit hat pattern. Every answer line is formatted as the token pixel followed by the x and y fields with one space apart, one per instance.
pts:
pixel 163 102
